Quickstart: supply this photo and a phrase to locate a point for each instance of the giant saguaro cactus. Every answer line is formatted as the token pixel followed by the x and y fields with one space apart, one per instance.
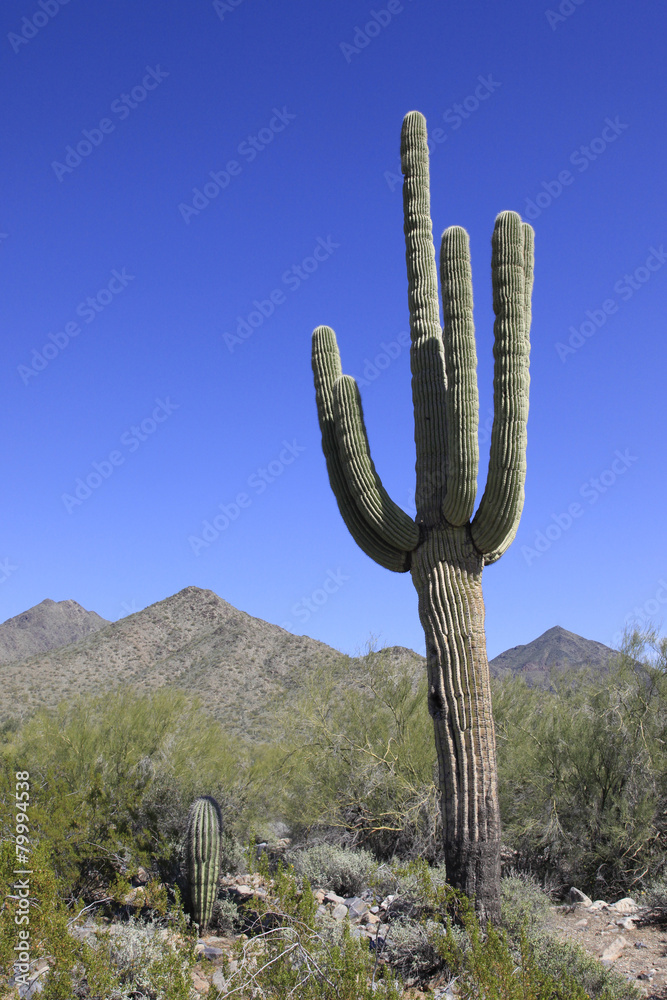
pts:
pixel 445 547
pixel 202 849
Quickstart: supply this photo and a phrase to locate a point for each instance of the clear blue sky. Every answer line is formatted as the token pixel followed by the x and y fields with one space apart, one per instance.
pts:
pixel 286 119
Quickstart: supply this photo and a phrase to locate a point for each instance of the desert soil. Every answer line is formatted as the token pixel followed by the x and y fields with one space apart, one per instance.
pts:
pixel 643 957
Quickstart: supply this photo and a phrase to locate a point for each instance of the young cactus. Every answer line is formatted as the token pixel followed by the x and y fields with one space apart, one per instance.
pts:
pixel 202 848
pixel 446 547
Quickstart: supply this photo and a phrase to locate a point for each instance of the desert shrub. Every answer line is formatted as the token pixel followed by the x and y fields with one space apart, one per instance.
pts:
pixel 226 917
pixel 289 954
pixel 583 771
pixel 326 866
pixel 112 779
pixel 523 904
pixel 116 967
pixel 357 760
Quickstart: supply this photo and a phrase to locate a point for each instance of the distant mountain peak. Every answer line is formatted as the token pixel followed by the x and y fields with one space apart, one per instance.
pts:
pixel 48 625
pixel 557 649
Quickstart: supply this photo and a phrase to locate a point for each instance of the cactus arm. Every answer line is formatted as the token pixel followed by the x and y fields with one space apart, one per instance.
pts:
pixel 427 359
pixel 462 405
pixel 327 369
pixel 497 519
pixel 391 523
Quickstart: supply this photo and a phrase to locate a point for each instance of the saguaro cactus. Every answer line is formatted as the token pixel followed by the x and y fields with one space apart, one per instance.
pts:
pixel 202 848
pixel 446 547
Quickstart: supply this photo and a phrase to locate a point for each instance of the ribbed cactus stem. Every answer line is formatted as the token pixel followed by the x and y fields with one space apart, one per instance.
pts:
pixel 203 857
pixel 446 547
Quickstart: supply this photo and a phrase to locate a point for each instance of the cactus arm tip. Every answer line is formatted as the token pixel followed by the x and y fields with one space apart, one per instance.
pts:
pixel 461 399
pixel 496 521
pixel 354 504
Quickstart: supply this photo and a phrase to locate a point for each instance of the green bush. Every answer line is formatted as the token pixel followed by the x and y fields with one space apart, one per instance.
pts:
pixel 583 772
pixel 112 779
pixel 137 960
pixel 342 871
pixel 357 760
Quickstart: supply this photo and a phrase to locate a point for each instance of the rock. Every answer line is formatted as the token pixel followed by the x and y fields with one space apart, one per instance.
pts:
pixel 582 923
pixel 626 905
pixel 612 951
pixel 219 981
pixel 212 954
pixel 640 944
pixel 356 906
pixel 331 897
pixel 577 896
pixel 243 891
pixel 339 911
pixel 647 975
pixel 370 919
pixel 627 923
pixel 141 877
pixel 135 897
pixel 319 895
pixel 599 904
pixel 200 982
pixel 386 902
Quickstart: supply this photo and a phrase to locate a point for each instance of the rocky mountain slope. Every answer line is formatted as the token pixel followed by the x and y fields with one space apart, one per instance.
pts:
pixel 555 651
pixel 193 640
pixel 238 665
pixel 46 626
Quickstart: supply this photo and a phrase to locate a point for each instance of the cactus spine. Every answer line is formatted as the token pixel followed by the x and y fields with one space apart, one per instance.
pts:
pixel 202 846
pixel 446 547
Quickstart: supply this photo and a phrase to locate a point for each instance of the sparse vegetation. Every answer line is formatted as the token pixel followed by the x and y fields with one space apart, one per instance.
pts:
pixel 350 772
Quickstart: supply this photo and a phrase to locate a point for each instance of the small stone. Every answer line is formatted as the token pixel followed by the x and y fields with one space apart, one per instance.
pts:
pixel 243 892
pixel 640 944
pixel 627 923
pixel 626 905
pixel 577 896
pixel 599 904
pixel 582 923
pixel 331 897
pixel 375 909
pixel 200 983
pixel 339 911
pixel 212 954
pixel 612 951
pixel 319 895
pixel 370 919
pixel 219 981
pixel 135 897
pixel 356 906
pixel 647 975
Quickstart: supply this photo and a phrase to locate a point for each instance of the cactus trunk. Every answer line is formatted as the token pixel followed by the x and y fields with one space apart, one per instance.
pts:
pixel 203 857
pixel 446 547
pixel 447 574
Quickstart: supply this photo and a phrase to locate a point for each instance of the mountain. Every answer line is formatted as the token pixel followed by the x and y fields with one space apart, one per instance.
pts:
pixel 240 666
pixel 46 626
pixel 555 651
pixel 193 640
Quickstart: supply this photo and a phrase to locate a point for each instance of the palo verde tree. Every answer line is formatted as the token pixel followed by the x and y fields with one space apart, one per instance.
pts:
pixel 446 547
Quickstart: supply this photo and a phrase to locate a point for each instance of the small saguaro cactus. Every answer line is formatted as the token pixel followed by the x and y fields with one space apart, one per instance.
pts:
pixel 202 849
pixel 446 547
